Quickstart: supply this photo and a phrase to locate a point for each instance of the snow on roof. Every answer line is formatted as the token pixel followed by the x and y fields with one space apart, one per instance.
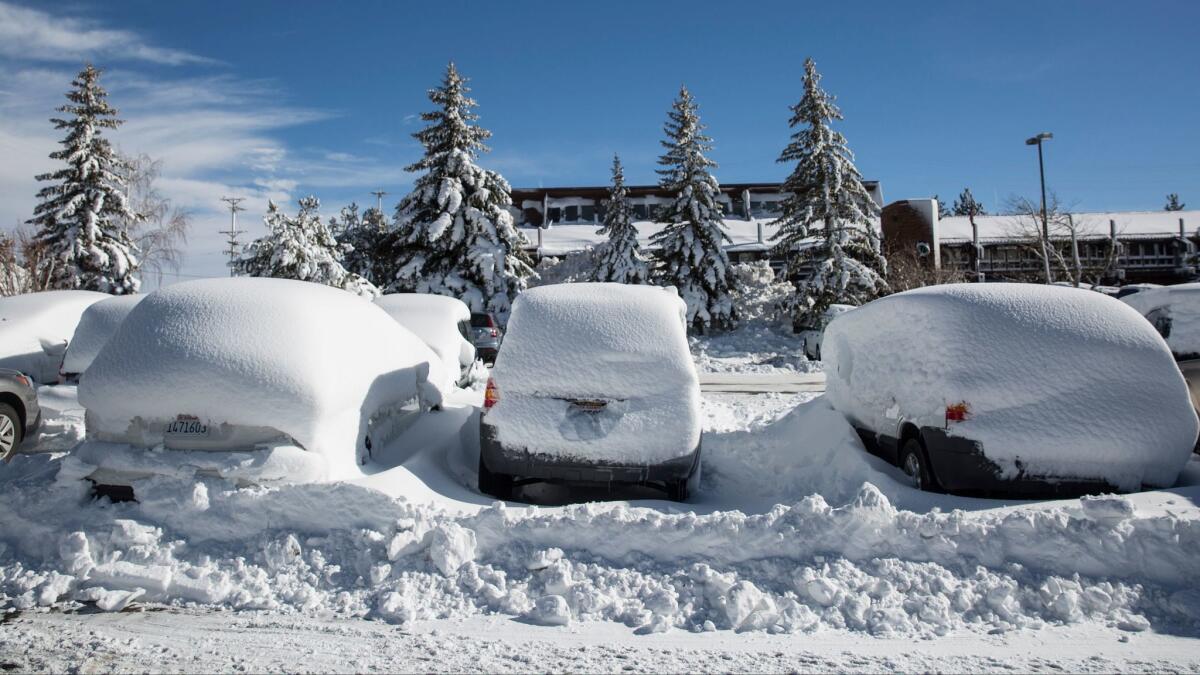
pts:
pixel 308 360
pixel 1095 224
pixel 560 239
pixel 1070 382
pixel 96 326
pixel 1176 311
pixel 33 322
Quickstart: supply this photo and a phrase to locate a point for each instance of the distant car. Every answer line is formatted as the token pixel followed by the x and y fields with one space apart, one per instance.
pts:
pixel 19 411
pixel 36 327
pixel 1174 311
pixel 442 322
pixel 811 336
pixel 1011 388
pixel 96 326
pixel 252 380
pixel 1131 289
pixel 595 385
pixel 486 335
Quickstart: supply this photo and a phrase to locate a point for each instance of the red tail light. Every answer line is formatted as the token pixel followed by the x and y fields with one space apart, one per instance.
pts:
pixel 491 395
pixel 957 412
pixel 495 333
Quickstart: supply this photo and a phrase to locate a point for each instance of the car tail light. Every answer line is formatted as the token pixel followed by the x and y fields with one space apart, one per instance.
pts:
pixel 23 380
pixel 494 332
pixel 957 412
pixel 491 395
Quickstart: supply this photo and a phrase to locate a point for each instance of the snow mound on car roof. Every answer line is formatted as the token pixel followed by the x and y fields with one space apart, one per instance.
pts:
pixel 35 326
pixel 434 319
pixel 308 360
pixel 1176 311
pixel 602 339
pixel 96 326
pixel 1069 382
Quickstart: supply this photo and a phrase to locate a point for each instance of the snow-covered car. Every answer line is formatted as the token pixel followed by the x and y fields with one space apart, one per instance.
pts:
pixel 1014 388
pixel 96 326
pixel 1174 311
pixel 36 327
pixel 812 336
pixel 595 384
pixel 254 380
pixel 486 335
pixel 441 322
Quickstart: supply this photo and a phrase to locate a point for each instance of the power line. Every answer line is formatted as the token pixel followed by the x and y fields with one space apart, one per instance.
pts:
pixel 233 231
pixel 379 199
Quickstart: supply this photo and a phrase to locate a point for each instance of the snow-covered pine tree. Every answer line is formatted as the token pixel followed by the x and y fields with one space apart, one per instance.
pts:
pixel 967 205
pixel 620 258
pixel 691 254
pixel 78 217
pixel 300 248
pixel 1173 203
pixel 454 234
pixel 360 238
pixel 825 231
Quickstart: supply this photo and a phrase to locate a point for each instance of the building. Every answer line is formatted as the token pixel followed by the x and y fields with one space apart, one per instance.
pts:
pixel 561 220
pixel 1112 247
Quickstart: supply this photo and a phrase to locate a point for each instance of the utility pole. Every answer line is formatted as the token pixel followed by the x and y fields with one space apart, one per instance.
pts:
pixel 233 231
pixel 379 200
pixel 1037 140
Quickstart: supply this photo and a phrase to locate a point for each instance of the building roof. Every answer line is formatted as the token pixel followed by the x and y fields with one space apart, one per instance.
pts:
pixel 601 191
pixel 1130 224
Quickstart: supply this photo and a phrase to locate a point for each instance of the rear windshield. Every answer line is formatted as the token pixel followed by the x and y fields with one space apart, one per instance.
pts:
pixel 481 320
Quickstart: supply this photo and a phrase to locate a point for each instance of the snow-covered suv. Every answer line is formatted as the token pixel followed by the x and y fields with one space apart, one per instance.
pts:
pixel 595 384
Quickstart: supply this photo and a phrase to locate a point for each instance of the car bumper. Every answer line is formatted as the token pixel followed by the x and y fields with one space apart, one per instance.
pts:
pixel 523 463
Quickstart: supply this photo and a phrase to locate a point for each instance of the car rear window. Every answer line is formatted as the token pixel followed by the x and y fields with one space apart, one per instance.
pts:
pixel 481 320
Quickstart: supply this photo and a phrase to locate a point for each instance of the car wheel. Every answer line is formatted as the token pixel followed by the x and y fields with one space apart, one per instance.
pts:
pixel 680 490
pixel 10 429
pixel 912 462
pixel 498 485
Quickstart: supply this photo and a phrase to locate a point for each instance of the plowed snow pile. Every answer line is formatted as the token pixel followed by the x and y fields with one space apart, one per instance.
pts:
pixel 848 559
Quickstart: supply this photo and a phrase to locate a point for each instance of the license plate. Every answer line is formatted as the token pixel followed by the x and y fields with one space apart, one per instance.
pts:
pixel 588 405
pixel 187 426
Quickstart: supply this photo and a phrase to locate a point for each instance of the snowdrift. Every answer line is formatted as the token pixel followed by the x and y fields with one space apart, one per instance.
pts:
pixel 96 326
pixel 622 343
pixel 434 319
pixel 307 360
pixel 35 327
pixel 1068 381
pixel 1175 312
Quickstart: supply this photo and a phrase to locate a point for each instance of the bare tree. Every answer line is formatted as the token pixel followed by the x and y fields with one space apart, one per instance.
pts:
pixel 908 269
pixel 1066 233
pixel 162 231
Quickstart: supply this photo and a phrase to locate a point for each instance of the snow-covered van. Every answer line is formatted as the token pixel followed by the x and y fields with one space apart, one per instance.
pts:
pixel 595 384
pixel 254 380
pixel 1016 388
pixel 441 321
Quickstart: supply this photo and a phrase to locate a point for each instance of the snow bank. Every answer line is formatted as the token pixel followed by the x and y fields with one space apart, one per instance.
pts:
pixel 96 326
pixel 621 343
pixel 434 319
pixel 310 361
pixel 35 327
pixel 1070 382
pixel 1175 313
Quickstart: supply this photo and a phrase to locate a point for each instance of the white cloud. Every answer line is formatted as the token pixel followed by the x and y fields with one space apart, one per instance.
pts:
pixel 33 34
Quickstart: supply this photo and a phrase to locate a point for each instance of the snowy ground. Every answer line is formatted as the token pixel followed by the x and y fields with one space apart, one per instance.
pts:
pixel 800 553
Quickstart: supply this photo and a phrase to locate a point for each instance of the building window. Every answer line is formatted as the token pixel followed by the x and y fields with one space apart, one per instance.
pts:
pixel 571 215
pixel 601 209
pixel 639 212
pixel 554 215
pixel 658 212
pixel 587 213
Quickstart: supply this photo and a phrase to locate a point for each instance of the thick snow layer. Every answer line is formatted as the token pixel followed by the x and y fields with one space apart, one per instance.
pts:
pixel 1070 382
pixel 1090 225
pixel 307 360
pixel 96 326
pixel 1175 312
pixel 35 327
pixel 621 343
pixel 434 319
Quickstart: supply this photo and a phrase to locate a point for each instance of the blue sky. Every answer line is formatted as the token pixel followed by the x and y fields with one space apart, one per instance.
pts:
pixel 279 99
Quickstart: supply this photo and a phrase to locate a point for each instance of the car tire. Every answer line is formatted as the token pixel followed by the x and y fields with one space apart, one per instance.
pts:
pixel 498 485
pixel 11 432
pixel 680 490
pixel 915 466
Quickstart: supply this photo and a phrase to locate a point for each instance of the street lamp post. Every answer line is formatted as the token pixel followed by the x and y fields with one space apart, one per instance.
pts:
pixel 1037 140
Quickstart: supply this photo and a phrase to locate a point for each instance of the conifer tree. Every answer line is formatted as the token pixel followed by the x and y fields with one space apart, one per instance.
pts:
pixel 967 205
pixel 620 259
pixel 825 230
pixel 360 238
pixel 454 234
pixel 1173 203
pixel 79 216
pixel 691 251
pixel 300 248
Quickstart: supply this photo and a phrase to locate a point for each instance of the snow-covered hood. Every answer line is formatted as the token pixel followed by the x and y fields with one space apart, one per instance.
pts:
pixel 96 326
pixel 1068 381
pixel 35 327
pixel 311 361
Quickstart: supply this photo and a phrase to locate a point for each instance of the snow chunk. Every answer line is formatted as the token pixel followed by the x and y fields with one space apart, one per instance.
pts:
pixel 35 327
pixel 98 323
pixel 450 547
pixel 1106 509
pixel 1060 382
pixel 550 610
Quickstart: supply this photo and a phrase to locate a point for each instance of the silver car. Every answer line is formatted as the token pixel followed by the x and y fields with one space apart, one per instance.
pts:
pixel 486 335
pixel 19 411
